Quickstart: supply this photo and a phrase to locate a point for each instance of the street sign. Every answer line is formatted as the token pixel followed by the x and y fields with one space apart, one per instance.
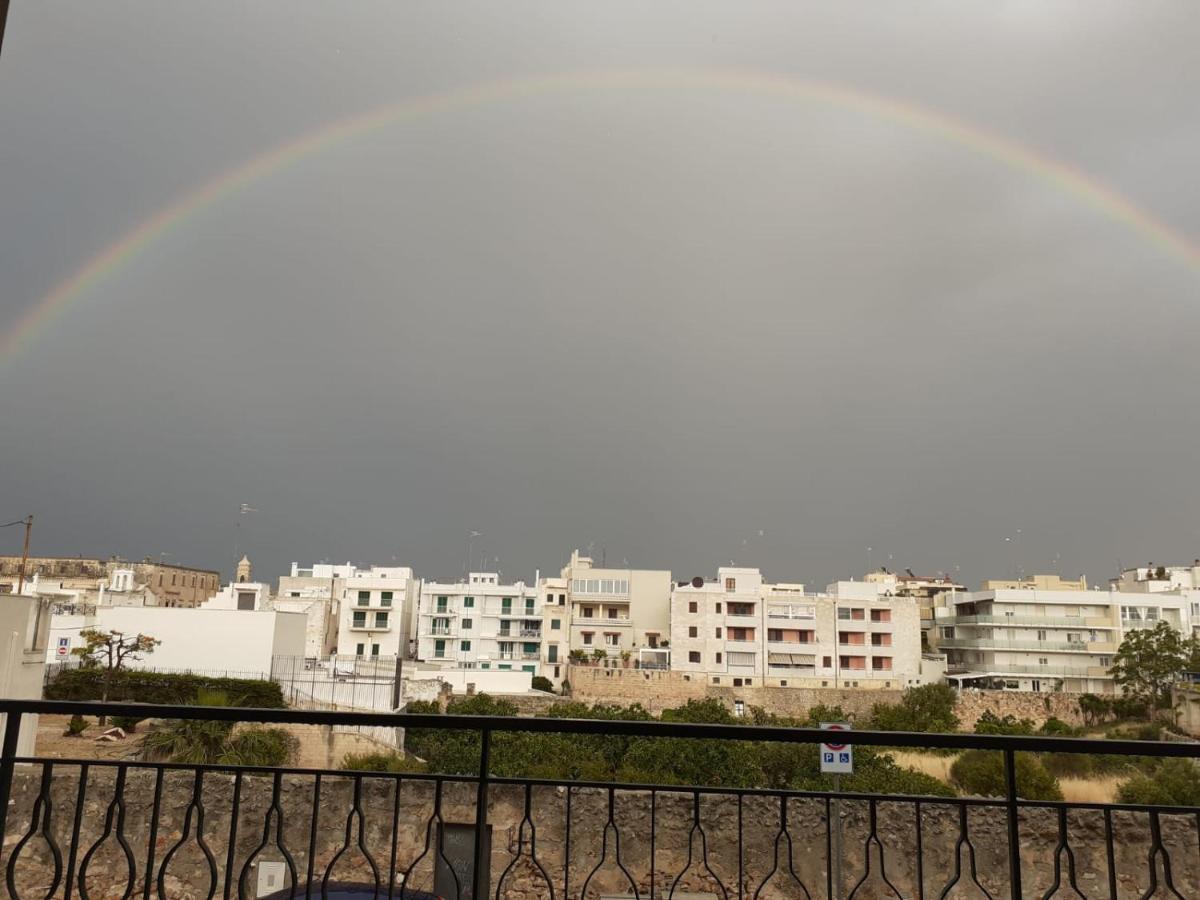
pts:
pixel 837 758
pixel 63 645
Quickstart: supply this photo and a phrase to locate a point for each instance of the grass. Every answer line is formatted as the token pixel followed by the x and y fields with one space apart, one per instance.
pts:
pixel 925 763
pixel 1075 790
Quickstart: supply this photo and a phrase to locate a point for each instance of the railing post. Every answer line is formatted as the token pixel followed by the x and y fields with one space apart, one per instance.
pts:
pixel 8 754
pixel 481 799
pixel 1014 836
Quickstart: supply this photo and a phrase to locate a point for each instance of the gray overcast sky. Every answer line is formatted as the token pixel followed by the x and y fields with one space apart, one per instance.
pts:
pixel 684 325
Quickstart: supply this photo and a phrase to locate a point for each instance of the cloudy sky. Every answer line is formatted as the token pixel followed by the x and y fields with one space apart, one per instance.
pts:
pixel 682 321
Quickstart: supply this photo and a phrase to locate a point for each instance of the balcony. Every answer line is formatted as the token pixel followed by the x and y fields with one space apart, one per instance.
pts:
pixel 530 633
pixel 1032 644
pixel 1077 622
pixel 303 824
pixel 1030 670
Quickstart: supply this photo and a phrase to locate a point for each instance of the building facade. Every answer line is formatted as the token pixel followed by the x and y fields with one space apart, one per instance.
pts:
pixel 171 585
pixel 1032 640
pixel 616 612
pixel 481 624
pixel 375 611
pixel 739 631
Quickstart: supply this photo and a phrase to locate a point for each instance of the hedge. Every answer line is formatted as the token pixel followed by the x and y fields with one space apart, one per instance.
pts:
pixel 131 685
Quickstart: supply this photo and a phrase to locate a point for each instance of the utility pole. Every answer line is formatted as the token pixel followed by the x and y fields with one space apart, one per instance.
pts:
pixel 28 529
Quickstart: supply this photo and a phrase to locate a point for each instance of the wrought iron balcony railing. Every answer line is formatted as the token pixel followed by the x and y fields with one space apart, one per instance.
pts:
pixel 119 828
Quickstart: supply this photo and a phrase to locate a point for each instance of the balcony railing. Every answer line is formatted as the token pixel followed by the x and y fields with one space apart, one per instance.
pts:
pixel 1032 643
pixel 126 827
pixel 1084 622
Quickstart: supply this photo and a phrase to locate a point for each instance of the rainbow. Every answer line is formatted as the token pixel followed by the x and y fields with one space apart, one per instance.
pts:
pixel 1107 202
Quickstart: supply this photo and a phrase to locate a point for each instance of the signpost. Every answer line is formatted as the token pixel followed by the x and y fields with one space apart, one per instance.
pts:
pixel 837 759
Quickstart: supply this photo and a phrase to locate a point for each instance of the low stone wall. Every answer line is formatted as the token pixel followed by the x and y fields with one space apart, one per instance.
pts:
pixel 659 690
pixel 392 821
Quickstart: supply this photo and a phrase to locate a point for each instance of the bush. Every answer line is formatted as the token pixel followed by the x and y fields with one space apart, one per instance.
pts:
pixel 260 747
pixel 1147 731
pixel 990 723
pixel 1175 782
pixel 1094 708
pixel 542 683
pixel 928 709
pixel 76 726
pixel 1058 728
pixel 381 762
pixel 172 688
pixel 981 773
pixel 128 724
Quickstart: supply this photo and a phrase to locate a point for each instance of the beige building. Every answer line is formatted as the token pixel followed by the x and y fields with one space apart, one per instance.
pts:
pixel 556 627
pixel 1036 583
pixel 741 632
pixel 1152 579
pixel 616 610
pixel 171 585
pixel 314 592
pixel 929 592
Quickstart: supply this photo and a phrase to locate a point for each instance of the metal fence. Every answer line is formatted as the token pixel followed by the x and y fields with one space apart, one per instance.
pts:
pixel 119 828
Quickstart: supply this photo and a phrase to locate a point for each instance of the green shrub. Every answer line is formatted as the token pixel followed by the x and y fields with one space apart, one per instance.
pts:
pixel 1094 708
pixel 1058 728
pixel 1174 782
pixel 172 688
pixel 928 709
pixel 1146 731
pixel 981 773
pixel 542 683
pixel 76 726
pixel 381 762
pixel 990 723
pixel 260 747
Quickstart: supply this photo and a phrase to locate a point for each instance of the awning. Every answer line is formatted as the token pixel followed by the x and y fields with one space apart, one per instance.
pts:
pixel 791 659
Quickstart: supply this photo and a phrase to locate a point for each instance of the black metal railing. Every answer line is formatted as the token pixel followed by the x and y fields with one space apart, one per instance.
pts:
pixel 122 828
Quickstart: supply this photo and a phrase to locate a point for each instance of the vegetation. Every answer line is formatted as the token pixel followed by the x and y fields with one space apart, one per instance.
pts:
pixel 542 683
pixel 76 726
pixel 395 763
pixel 646 759
pixel 928 709
pixel 135 686
pixel 203 741
pixel 1173 782
pixel 981 772
pixel 107 651
pixel 128 724
pixel 1150 660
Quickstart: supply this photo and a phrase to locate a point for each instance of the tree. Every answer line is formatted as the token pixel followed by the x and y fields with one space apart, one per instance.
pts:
pixel 928 709
pixel 981 772
pixel 1095 709
pixel 1175 782
pixel 109 650
pixel 542 683
pixel 1149 660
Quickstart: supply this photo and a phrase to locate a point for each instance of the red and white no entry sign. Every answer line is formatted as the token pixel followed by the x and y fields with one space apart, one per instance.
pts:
pixel 837 758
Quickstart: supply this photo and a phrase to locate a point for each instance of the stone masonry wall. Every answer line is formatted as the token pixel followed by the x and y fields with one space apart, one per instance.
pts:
pixel 659 690
pixel 355 837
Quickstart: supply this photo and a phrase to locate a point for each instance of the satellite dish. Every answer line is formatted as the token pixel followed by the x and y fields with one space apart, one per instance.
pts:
pixel 697 582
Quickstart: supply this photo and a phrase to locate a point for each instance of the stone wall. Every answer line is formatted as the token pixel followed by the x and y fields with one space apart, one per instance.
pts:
pixel 355 833
pixel 659 690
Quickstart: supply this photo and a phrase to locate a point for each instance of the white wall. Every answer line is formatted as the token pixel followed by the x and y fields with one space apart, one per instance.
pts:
pixel 199 640
pixel 486 681
pixel 22 660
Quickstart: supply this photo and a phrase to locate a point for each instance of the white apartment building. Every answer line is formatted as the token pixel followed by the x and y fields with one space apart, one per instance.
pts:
pixel 243 595
pixel 375 611
pixel 739 631
pixel 929 592
pixel 616 611
pixel 1034 640
pixel 481 624
pixel 1152 579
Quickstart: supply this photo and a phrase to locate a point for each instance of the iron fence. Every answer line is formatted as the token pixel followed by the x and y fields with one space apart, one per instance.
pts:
pixel 118 828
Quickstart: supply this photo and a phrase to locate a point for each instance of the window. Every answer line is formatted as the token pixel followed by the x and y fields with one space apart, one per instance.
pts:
pixel 464 646
pixel 359 648
pixel 730 585
pixel 562 599
pixel 783 682
pixel 881 663
pixel 843 613
pixel 528 668
pixel 360 620
pixel 442 603
pixel 468 602
pixel 716 679
pixel 741 609
pixel 693 631
pixel 612 612
pixel 364 597
pixel 881 640
pixel 552 654
pixel 1041 635
pixel 587 637
pixel 555 624
pixel 466 624
pixel 737 682
pixel 439 649
pixel 881 615
pixel 386 598
pixel 718 659
pixel 693 656
pixel 826 662
pixel 589 612
pixel 528 604
pixel 718 606
pixel 741 659
pixel 691 606
pixel 1043 661
pixel 374 649
pixel 718 631
pixel 381 620
pixel 505 667
pixel 549 598
pixel 612 638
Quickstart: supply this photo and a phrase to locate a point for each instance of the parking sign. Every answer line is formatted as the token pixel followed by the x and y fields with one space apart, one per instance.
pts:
pixel 837 758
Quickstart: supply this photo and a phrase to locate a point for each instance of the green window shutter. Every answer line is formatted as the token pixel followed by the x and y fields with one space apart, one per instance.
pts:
pixel 468 601
pixel 529 648
pixel 506 667
pixel 465 645
pixel 528 668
